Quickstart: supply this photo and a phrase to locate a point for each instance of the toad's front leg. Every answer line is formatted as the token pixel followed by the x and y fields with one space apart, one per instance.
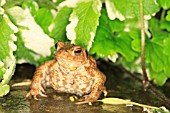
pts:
pixel 40 74
pixel 97 88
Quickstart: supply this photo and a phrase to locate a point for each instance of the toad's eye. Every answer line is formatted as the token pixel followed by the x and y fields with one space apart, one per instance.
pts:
pixel 56 45
pixel 77 52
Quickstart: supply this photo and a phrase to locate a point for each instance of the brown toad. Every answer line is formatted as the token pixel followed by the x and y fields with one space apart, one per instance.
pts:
pixel 73 70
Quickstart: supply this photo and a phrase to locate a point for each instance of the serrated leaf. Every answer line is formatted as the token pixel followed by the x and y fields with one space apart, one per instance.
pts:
pixel 129 8
pixel 105 43
pixel 164 3
pixel 84 22
pixel 60 22
pixel 34 38
pixel 44 18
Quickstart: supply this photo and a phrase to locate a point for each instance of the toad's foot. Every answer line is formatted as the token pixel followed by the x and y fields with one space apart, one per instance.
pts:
pixel 36 91
pixel 88 99
pixel 91 98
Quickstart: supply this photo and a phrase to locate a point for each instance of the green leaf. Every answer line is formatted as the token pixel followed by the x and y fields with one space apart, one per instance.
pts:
pixel 164 3
pixel 154 26
pixel 4 90
pixel 46 4
pixel 117 25
pixel 24 53
pixel 84 22
pixel 165 25
pixel 34 43
pixel 122 9
pixel 124 41
pixel 106 43
pixel 60 22
pixel 7 59
pixel 167 46
pixel 103 44
pixel 135 35
pixel 44 18
pixel 32 5
pixel 11 3
pixel 154 54
pixel 168 16
pixel 158 77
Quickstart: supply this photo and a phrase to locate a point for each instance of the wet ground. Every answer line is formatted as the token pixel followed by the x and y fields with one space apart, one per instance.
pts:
pixel 119 85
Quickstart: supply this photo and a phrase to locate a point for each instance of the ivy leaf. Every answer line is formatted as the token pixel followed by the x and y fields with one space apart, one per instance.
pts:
pixel 32 35
pixel 7 59
pixel 44 18
pixel 106 43
pixel 130 8
pixel 59 24
pixel 84 22
pixel 164 3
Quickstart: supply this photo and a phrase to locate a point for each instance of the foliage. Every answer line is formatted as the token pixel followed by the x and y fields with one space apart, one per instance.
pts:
pixel 106 28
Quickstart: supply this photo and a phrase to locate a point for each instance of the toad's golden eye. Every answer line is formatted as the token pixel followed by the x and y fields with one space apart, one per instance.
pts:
pixel 77 52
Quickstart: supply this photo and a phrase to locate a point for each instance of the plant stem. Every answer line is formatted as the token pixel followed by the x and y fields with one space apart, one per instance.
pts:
pixel 146 80
pixel 163 15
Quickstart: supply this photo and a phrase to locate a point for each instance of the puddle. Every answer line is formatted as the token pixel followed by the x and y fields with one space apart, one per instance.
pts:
pixel 119 85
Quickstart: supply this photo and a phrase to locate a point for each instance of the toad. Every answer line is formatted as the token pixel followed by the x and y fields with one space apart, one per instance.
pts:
pixel 72 70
